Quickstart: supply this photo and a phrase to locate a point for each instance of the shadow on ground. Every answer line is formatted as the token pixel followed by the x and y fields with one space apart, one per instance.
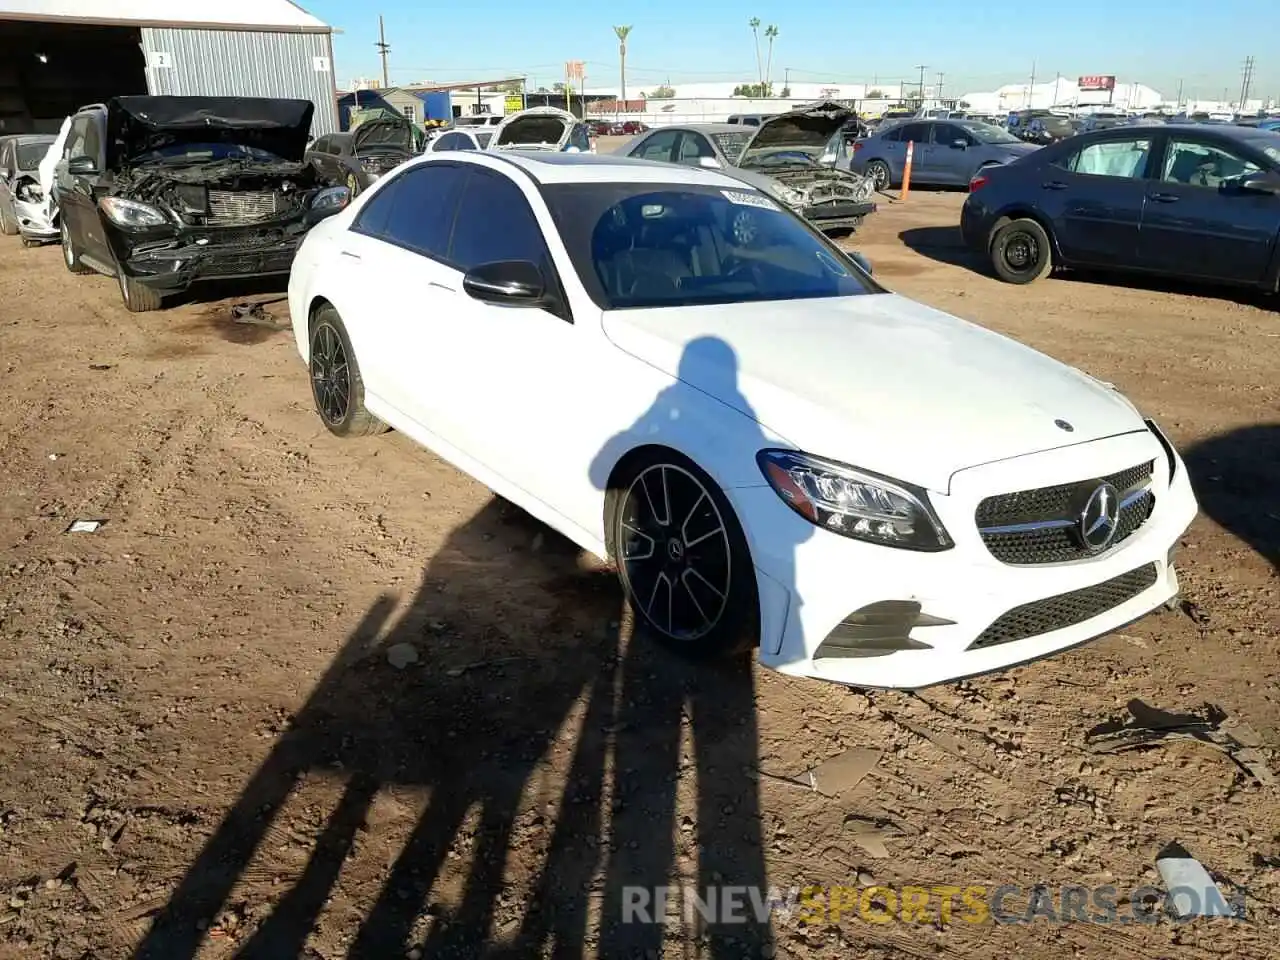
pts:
pixel 1236 476
pixel 944 245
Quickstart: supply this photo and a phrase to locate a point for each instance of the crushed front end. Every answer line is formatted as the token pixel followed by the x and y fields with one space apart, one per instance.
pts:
pixel 829 199
pixel 37 217
pixel 168 228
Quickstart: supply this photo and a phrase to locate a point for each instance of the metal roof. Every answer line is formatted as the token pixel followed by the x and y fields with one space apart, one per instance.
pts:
pixel 273 15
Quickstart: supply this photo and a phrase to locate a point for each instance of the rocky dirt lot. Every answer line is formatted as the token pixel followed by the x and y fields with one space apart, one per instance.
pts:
pixel 305 697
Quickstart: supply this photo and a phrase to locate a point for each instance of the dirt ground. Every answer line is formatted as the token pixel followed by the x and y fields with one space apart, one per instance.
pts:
pixel 306 697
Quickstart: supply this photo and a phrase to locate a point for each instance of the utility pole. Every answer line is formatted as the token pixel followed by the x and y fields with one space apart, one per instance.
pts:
pixel 383 49
pixel 786 77
pixel 937 93
pixel 1031 90
pixel 1245 81
pixel 1178 104
pixel 922 68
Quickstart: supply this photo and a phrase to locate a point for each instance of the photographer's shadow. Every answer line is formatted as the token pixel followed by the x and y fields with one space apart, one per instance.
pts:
pixel 1236 476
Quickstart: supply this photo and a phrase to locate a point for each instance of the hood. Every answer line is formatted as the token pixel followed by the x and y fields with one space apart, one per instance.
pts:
pixel 538 128
pixel 138 124
pixel 806 128
pixel 881 382
pixel 389 132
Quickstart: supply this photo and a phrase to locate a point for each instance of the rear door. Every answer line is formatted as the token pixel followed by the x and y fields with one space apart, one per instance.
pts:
pixel 1094 195
pixel 917 134
pixel 1195 224
pixel 396 252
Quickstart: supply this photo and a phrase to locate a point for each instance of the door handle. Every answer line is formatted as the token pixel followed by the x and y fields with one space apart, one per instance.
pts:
pixel 440 286
pixel 1163 197
pixel 348 253
pixel 1054 185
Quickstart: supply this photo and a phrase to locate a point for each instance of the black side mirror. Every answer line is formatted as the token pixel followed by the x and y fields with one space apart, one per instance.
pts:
pixel 1261 183
pixel 82 166
pixel 511 283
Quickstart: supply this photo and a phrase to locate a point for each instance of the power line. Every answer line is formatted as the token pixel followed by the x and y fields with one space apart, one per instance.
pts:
pixel 383 49
pixel 1246 78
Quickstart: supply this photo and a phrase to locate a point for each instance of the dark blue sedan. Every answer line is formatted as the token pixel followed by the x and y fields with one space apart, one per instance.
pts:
pixel 945 152
pixel 1194 201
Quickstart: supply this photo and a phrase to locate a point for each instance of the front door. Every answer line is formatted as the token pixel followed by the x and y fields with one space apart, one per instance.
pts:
pixel 1095 197
pixel 77 193
pixel 1195 224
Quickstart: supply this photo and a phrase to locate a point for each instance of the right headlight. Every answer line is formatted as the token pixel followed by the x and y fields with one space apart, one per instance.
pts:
pixel 331 199
pixel 854 503
pixel 131 213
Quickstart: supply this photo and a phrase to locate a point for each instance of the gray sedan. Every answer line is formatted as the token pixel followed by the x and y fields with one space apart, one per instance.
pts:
pixel 20 158
pixel 945 152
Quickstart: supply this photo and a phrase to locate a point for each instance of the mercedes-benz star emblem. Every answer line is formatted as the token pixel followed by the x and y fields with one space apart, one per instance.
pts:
pixel 1100 518
pixel 1063 425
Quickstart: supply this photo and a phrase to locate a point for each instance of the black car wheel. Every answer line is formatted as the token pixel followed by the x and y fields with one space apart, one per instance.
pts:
pixel 7 227
pixel 70 254
pixel 1021 251
pixel 336 385
pixel 879 173
pixel 137 298
pixel 682 558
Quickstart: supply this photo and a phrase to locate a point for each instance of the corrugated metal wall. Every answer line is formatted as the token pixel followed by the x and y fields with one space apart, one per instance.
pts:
pixel 232 63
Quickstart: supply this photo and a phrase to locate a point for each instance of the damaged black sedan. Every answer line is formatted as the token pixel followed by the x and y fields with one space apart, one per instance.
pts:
pixel 161 192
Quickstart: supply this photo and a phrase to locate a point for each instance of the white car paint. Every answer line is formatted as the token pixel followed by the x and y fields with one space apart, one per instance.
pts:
pixel 540 410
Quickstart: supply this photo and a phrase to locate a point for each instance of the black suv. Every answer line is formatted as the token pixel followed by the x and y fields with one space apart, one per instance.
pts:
pixel 162 191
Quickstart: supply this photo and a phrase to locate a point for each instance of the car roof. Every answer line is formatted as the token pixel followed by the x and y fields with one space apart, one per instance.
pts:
pixel 553 167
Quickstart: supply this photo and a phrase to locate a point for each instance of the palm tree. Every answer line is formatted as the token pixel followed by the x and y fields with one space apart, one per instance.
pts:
pixel 754 24
pixel 622 33
pixel 770 34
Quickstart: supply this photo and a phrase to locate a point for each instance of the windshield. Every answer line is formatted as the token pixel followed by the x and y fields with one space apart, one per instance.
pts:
pixel 731 144
pixel 635 245
pixel 784 157
pixel 203 153
pixel 985 133
pixel 30 154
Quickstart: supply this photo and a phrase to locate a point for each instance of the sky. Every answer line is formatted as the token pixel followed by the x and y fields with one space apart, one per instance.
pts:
pixel 1155 42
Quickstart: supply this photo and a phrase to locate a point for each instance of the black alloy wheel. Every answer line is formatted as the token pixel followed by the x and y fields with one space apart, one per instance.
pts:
pixel 682 558
pixel 336 385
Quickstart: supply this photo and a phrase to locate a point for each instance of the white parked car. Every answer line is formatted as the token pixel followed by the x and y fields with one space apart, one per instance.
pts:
pixel 672 370
pixel 464 138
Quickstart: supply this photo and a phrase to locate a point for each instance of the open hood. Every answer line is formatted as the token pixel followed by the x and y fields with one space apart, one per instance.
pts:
pixel 538 128
pixel 806 129
pixel 136 125
pixel 386 131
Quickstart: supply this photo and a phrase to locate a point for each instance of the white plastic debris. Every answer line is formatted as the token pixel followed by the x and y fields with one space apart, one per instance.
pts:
pixel 1192 892
pixel 84 526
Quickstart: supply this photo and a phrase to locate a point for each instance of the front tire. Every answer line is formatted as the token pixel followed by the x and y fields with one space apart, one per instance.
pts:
pixel 70 253
pixel 336 385
pixel 8 228
pixel 682 558
pixel 1021 251
pixel 137 297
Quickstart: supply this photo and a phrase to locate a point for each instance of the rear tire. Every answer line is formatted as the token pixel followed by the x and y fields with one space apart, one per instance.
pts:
pixel 137 297
pixel 682 558
pixel 880 175
pixel 8 228
pixel 1021 251
pixel 70 253
pixel 336 386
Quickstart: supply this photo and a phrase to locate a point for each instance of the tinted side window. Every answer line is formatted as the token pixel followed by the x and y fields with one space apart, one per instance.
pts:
pixel 916 132
pixel 450 141
pixel 495 222
pixel 948 133
pixel 1203 165
pixel 416 210
pixel 660 146
pixel 893 135
pixel 76 137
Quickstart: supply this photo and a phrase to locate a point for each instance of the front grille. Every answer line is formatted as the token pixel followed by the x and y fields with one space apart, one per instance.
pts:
pixel 234 206
pixel 1066 609
pixel 1040 526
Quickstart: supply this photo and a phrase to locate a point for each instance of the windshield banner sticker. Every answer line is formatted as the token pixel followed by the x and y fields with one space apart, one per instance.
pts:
pixel 749 199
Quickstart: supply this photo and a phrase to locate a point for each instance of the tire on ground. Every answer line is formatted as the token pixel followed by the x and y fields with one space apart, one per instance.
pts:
pixel 736 629
pixel 326 330
pixel 1021 251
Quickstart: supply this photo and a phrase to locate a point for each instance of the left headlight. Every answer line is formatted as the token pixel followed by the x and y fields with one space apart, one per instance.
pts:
pixel 854 503
pixel 132 213
pixel 332 199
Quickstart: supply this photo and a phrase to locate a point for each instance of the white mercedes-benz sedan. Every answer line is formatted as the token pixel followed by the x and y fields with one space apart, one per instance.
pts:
pixel 678 374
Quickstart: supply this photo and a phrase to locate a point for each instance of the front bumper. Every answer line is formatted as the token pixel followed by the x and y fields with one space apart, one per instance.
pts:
pixel 34 220
pixel 838 215
pixel 172 264
pixel 811 580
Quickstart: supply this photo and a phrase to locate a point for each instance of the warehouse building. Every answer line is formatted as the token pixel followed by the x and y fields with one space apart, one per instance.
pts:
pixel 58 55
